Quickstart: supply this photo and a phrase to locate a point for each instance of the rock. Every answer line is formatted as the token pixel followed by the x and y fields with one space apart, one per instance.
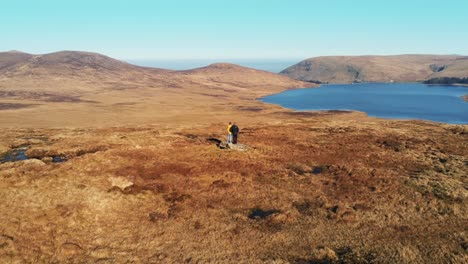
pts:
pixel 238 147
pixel 437 68
pixel 120 182
pixel 33 162
pixel 47 159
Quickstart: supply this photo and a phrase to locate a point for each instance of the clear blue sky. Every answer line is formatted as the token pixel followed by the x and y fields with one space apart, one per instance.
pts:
pixel 212 29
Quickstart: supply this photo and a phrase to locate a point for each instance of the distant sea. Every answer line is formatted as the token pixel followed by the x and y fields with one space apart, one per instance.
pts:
pixel 271 65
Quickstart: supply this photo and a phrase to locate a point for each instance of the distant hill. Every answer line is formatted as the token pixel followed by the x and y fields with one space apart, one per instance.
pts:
pixel 228 74
pixel 61 64
pixel 93 67
pixel 85 66
pixel 399 68
pixel 78 73
pixel 87 89
pixel 11 59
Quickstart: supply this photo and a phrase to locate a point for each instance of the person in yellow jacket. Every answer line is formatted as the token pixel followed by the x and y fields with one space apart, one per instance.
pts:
pixel 229 138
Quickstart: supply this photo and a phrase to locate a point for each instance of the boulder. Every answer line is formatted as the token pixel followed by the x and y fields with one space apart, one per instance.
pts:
pixel 47 159
pixel 238 147
pixel 120 183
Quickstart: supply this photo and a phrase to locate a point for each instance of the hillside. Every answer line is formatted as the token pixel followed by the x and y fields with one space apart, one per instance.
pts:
pixel 399 68
pixel 231 77
pixel 10 59
pixel 87 89
pixel 59 63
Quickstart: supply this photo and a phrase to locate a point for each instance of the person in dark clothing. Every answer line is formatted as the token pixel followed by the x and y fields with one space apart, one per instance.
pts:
pixel 235 131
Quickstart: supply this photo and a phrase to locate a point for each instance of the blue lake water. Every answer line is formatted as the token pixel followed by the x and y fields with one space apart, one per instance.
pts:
pixel 388 100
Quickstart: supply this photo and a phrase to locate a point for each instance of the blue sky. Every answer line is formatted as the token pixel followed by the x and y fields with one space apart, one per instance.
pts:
pixel 239 29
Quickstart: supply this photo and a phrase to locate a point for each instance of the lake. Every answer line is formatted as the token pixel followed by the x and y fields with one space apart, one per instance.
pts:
pixel 388 100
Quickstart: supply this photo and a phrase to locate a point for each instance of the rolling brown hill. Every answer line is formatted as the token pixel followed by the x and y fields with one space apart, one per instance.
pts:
pixel 66 64
pixel 73 88
pixel 399 68
pixel 10 59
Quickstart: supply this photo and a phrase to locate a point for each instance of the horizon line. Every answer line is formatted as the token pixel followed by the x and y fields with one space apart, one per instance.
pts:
pixel 233 58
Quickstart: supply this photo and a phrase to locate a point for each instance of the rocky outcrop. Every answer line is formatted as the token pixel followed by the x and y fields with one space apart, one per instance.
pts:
pixel 447 80
pixel 437 68
pixel 238 147
pixel 120 183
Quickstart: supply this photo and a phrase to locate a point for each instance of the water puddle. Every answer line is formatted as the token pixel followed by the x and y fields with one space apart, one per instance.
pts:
pixel 317 170
pixel 59 159
pixel 261 214
pixel 16 154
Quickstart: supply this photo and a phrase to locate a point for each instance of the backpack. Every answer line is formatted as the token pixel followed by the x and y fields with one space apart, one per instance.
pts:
pixel 234 129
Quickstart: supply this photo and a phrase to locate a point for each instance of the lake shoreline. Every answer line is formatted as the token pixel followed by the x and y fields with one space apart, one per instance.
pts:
pixel 421 82
pixel 452 84
pixel 417 104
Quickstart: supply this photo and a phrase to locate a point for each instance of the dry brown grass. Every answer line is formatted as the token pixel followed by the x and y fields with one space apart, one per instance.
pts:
pixel 338 191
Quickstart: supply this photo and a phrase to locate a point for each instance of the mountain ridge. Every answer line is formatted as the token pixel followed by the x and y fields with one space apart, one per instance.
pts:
pixel 378 68
pixel 61 62
pixel 74 84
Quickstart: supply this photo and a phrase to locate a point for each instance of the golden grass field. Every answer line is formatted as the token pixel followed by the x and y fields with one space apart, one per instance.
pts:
pixel 143 181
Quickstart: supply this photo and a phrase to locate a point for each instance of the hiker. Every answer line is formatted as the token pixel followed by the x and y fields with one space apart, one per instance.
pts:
pixel 229 139
pixel 234 130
